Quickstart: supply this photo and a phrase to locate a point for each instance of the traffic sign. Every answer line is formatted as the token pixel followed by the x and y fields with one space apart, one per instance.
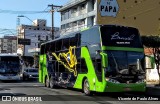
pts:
pixel 24 41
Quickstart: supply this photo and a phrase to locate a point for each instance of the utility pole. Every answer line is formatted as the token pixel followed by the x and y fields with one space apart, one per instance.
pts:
pixel 53 9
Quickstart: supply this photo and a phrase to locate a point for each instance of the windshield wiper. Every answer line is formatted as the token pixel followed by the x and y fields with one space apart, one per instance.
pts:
pixel 139 66
pixel 115 62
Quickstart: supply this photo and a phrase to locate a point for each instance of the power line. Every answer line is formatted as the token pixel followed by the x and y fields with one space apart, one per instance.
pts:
pixel 22 12
pixel 7 32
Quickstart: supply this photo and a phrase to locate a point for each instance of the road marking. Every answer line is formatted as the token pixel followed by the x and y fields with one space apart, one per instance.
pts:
pixel 35 85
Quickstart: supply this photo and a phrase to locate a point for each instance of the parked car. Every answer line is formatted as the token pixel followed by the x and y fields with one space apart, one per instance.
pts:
pixel 30 73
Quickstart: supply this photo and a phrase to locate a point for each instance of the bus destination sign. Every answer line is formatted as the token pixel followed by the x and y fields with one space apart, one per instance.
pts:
pixel 108 8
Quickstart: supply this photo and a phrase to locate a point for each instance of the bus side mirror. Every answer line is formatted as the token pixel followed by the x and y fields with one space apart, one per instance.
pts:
pixel 149 62
pixel 104 60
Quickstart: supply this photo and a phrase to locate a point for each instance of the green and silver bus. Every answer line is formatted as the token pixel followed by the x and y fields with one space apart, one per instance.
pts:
pixel 103 58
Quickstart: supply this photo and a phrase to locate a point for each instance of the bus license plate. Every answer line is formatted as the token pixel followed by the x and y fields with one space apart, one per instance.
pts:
pixel 9 78
pixel 127 89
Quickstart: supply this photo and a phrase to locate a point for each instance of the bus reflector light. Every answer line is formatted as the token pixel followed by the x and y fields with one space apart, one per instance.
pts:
pixel 127 89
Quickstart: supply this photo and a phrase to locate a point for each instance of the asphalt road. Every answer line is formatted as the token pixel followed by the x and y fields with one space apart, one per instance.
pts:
pixel 36 91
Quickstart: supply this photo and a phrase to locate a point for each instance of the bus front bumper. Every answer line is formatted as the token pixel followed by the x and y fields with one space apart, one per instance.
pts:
pixel 9 77
pixel 124 87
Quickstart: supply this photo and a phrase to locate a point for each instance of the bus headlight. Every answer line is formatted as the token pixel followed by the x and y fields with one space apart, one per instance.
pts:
pixel 141 77
pixel 141 81
pixel 113 81
pixel 21 75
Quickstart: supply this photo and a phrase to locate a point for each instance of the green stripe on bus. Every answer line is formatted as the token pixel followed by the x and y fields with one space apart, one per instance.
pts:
pixel 84 29
pixel 122 48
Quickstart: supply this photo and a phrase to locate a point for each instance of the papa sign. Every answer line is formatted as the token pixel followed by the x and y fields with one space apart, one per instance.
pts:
pixel 108 8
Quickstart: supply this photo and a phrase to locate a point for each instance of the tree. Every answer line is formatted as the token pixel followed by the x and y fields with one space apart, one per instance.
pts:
pixel 154 43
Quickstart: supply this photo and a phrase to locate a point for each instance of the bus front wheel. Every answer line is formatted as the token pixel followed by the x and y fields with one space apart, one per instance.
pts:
pixel 52 82
pixel 86 88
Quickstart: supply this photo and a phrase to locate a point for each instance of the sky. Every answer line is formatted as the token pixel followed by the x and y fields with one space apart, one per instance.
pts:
pixel 10 9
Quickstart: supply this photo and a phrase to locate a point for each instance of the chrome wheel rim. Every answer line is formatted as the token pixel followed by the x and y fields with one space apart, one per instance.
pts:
pixel 86 87
pixel 47 82
pixel 51 83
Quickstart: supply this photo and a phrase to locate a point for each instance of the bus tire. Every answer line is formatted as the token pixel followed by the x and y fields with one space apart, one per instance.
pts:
pixel 23 78
pixel 52 83
pixel 86 88
pixel 47 82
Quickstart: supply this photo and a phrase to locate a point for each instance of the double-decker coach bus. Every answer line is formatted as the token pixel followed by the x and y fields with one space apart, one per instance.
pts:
pixel 10 67
pixel 103 58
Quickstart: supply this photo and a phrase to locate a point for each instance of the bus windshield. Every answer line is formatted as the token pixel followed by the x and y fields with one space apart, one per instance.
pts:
pixel 9 65
pixel 33 70
pixel 124 62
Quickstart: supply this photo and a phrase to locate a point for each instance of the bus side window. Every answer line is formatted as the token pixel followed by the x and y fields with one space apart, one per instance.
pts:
pixel 98 64
pixel 52 47
pixel 58 45
pixel 42 49
pixel 75 41
pixel 65 44
pixel 47 46
pixel 84 68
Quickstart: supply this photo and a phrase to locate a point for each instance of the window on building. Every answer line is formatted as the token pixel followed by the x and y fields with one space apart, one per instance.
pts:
pixel 93 4
pixel 39 45
pixel 63 16
pixel 70 25
pixel 83 6
pixel 66 15
pixel 74 23
pixel 81 22
pixel 67 25
pixel 62 26
pixel 74 10
pixel 39 37
pixel 69 13
pixel 46 37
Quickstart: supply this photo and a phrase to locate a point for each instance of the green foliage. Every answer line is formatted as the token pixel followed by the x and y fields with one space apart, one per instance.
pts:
pixel 151 41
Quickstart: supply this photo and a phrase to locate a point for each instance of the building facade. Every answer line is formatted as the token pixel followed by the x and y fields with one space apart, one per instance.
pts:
pixel 141 14
pixel 37 33
pixel 8 44
pixel 77 14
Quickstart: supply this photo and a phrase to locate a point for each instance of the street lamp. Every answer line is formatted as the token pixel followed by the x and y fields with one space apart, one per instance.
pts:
pixel 24 33
pixel 19 16
pixel 27 18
